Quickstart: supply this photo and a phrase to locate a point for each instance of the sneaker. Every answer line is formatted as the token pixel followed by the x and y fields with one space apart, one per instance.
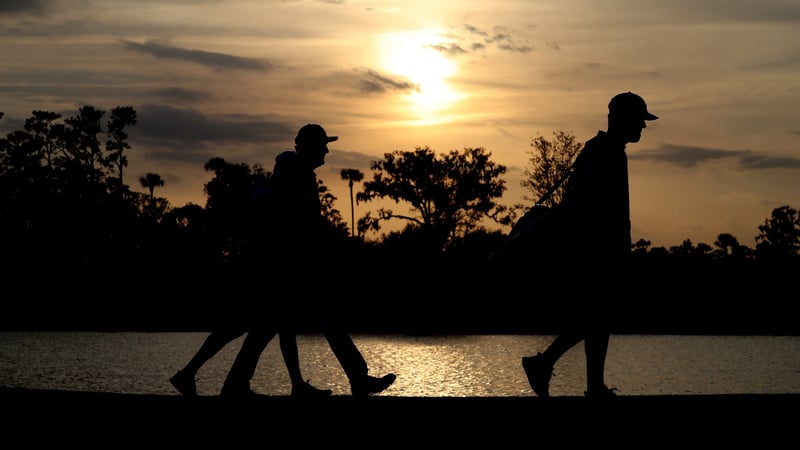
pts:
pixel 372 385
pixel 539 374
pixel 306 390
pixel 604 392
pixel 184 383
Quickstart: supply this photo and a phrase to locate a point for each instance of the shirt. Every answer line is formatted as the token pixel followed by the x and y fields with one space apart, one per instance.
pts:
pixel 597 198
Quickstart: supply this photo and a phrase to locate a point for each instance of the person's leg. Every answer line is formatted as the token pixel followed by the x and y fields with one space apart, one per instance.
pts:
pixel 354 365
pixel 596 347
pixel 288 342
pixel 560 345
pixel 237 383
pixel 597 321
pixel 184 379
pixel 212 345
pixel 539 368
pixel 300 387
pixel 350 358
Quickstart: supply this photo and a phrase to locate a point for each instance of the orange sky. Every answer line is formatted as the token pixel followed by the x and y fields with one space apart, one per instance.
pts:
pixel 236 79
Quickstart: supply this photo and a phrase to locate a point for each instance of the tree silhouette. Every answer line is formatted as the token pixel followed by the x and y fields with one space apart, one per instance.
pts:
pixel 48 135
pixel 58 202
pixel 228 205
pixel 352 176
pixel 83 144
pixel 779 236
pixel 150 182
pixel 332 216
pixel 449 194
pixel 121 117
pixel 550 162
pixel 641 246
pixel 729 247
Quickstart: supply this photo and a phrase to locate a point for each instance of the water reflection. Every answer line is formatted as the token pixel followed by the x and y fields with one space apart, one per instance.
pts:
pixel 427 366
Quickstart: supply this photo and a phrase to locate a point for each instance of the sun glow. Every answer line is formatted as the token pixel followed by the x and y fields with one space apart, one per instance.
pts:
pixel 411 55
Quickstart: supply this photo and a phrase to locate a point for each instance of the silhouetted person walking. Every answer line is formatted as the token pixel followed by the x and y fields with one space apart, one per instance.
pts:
pixel 299 244
pixel 184 379
pixel 596 214
pixel 253 310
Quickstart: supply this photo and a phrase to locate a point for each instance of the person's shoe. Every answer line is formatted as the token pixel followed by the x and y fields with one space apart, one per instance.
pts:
pixel 184 383
pixel 539 373
pixel 603 392
pixel 372 385
pixel 306 390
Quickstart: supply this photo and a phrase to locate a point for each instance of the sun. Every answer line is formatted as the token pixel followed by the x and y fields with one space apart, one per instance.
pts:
pixel 411 54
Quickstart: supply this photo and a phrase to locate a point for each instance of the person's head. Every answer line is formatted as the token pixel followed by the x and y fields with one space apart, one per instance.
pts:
pixel 627 116
pixel 311 143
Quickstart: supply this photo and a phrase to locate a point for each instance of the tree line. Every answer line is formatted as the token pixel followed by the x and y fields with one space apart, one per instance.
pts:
pixel 69 214
pixel 64 197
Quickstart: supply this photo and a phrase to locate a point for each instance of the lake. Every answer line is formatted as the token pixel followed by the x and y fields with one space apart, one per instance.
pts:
pixel 426 366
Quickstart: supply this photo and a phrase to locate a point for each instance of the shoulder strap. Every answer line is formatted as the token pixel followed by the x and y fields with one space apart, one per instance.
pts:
pixel 555 186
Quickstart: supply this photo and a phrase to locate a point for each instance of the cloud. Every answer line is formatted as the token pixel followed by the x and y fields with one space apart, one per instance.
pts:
pixel 500 38
pixel 684 155
pixel 475 30
pixel 768 162
pixel 689 156
pixel 25 6
pixel 738 11
pixel 341 159
pixel 477 46
pixel 451 49
pixel 211 59
pixel 183 127
pixel 514 48
pixel 370 81
pixel 180 94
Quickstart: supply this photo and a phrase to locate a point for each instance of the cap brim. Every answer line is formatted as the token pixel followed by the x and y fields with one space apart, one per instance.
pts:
pixel 648 116
pixel 336 138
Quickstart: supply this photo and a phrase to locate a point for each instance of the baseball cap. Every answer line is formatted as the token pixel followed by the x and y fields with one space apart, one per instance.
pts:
pixel 313 134
pixel 630 104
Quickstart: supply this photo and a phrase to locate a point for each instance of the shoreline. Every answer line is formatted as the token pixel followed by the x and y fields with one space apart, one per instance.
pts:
pixel 742 403
pixel 507 421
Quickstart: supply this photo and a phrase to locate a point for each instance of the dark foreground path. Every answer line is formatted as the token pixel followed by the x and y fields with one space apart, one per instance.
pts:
pixel 111 420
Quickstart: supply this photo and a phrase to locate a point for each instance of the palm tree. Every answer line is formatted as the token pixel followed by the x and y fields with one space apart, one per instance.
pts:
pixel 150 181
pixel 352 175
